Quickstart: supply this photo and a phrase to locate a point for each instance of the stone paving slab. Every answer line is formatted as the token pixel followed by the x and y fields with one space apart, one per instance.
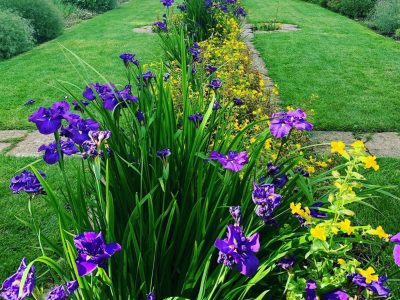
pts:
pixel 29 146
pixel 4 146
pixel 12 134
pixel 148 29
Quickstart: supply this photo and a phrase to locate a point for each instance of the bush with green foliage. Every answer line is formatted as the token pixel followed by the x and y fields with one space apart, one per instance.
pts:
pixel 94 5
pixel 44 16
pixel 15 34
pixel 356 8
pixel 386 16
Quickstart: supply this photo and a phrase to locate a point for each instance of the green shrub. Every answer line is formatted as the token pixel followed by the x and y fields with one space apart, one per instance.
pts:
pixel 356 8
pixel 397 34
pixel 94 5
pixel 386 16
pixel 15 34
pixel 44 16
pixel 334 5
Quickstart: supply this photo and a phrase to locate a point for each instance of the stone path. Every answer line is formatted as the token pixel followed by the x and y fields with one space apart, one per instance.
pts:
pixel 28 144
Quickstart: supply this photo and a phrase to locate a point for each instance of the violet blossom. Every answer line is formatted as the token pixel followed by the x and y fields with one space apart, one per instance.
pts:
pixel 62 292
pixel 27 182
pixel 11 286
pixel 233 160
pixel 282 123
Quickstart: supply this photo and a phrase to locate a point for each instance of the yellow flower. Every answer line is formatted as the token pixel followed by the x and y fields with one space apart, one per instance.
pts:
pixel 253 140
pixel 267 144
pixel 319 232
pixel 339 147
pixel 380 232
pixel 303 213
pixel 369 275
pixel 346 226
pixel 370 162
pixel 358 145
pixel 341 261
pixel 296 208
pixel 311 169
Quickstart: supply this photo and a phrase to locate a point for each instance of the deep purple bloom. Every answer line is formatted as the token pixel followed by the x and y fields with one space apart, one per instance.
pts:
pixel 236 214
pixel 29 102
pixel 78 130
pixel 211 69
pixel 376 287
pixel 315 213
pixel 194 69
pixel 280 181
pixel 196 118
pixel 60 292
pixel 10 288
pixel 215 84
pixel 140 116
pixel 78 105
pixel 236 250
pixel 272 169
pixel 164 153
pixel 266 200
pixel 223 8
pixel 286 263
pixel 238 101
pixel 195 52
pixel 93 252
pixel 231 1
pixel 216 105
pixel 167 2
pixel 151 296
pixel 240 12
pixel 311 288
pixel 129 58
pixel 88 93
pixel 208 4
pixel 162 26
pixel 396 250
pixel 146 76
pixel 182 7
pixel 48 120
pixel 92 147
pixel 233 161
pixel 27 182
pixel 282 123
pixel 336 295
pixel 51 155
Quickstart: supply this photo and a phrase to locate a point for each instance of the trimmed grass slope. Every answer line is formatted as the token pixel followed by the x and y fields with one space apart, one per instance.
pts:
pixel 98 41
pixel 349 74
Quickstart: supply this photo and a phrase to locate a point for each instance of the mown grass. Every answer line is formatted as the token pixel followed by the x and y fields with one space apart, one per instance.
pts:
pixel 98 41
pixel 345 71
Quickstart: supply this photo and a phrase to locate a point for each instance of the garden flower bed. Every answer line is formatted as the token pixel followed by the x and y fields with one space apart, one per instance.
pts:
pixel 192 187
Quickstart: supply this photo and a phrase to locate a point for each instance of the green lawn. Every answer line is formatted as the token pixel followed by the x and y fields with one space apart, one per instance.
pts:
pixel 98 41
pixel 351 73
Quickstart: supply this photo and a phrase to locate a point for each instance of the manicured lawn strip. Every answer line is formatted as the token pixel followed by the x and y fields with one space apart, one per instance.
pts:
pixel 98 41
pixel 350 73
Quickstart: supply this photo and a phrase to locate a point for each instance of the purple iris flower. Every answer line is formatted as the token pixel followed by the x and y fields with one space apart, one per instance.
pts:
pixel 208 4
pixel 377 287
pixel 314 211
pixel 151 296
pixel 196 118
pixel 286 263
pixel 336 295
pixel 238 101
pixel 164 153
pixel 60 292
pixel 51 155
pixel 236 250
pixel 162 26
pixel 140 116
pixel 216 105
pixel 48 120
pixel 27 182
pixel 195 52
pixel 223 8
pixel 88 93
pixel 211 69
pixel 231 1
pixel 29 102
pixel 272 169
pixel 233 160
pixel 266 200
pixel 282 123
pixel 78 130
pixel 280 181
pixel 215 84
pixel 146 76
pixel 167 3
pixel 182 7
pixel 93 252
pixel 301 171
pixel 92 147
pixel 129 58
pixel 10 288
pixel 240 12
pixel 236 214
pixel 396 250
pixel 311 288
